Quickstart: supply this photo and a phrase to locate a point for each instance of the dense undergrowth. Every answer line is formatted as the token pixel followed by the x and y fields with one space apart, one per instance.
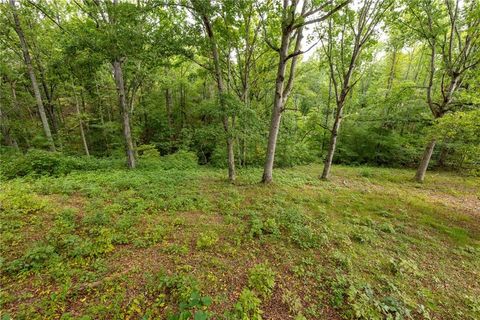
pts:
pixel 172 240
pixel 36 162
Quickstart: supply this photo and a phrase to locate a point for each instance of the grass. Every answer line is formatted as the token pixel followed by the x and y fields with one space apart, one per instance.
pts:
pixel 153 243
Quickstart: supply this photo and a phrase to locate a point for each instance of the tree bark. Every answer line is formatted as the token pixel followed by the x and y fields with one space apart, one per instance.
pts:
pixel 31 73
pixel 122 103
pixel 391 75
pixel 221 93
pixel 169 107
pixel 333 141
pixel 277 109
pixel 427 155
pixel 49 106
pixel 327 114
pixel 282 90
pixel 80 123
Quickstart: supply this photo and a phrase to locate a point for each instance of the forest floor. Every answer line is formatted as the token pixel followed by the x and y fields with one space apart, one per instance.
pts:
pixel 149 244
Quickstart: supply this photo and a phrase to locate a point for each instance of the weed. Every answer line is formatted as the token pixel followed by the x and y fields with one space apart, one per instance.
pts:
pixel 176 249
pixel 248 306
pixel 293 301
pixel 261 279
pixel 207 240
pixel 362 234
pixel 403 267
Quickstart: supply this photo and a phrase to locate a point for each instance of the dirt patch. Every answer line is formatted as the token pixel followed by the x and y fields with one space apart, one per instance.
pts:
pixel 469 204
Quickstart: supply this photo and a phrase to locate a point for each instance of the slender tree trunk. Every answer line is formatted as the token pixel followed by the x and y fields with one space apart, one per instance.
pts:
pixel 169 107
pixel 221 92
pixel 80 123
pixel 333 140
pixel 427 155
pixel 410 58
pixel 391 75
pixel 418 67
pixel 276 110
pixel 122 103
pixel 31 72
pixel 183 106
pixel 327 115
pixel 49 106
pixel 340 101
pixel 231 151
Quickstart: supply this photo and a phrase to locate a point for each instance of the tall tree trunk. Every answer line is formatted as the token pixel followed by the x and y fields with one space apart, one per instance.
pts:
pixel 333 140
pixel 427 155
pixel 340 101
pixel 391 75
pixel 80 122
pixel 276 110
pixel 409 66
pixel 31 72
pixel 49 106
pixel 169 107
pixel 122 103
pixel 327 115
pixel 418 67
pixel 282 89
pixel 183 106
pixel 221 94
pixel 230 151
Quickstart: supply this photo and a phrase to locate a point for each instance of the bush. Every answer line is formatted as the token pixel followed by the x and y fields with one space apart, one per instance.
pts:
pixel 148 151
pixel 39 162
pixel 207 240
pixel 298 229
pixel 248 306
pixel 261 279
pixel 37 257
pixel 181 160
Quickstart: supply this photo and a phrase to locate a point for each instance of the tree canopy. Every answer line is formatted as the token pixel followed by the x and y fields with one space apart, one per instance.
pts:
pixel 244 83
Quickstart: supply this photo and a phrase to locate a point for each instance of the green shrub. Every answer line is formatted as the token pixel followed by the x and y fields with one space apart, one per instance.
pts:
pixel 261 279
pixel 99 243
pixel 35 258
pixel 152 235
pixel 176 249
pixel 358 300
pixel 195 307
pixel 248 306
pixel 256 227
pixel 207 240
pixel 178 287
pixel 181 160
pixel 148 151
pixel 270 226
pixel 39 162
pixel 298 229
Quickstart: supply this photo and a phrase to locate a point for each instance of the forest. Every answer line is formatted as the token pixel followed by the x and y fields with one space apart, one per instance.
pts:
pixel 239 159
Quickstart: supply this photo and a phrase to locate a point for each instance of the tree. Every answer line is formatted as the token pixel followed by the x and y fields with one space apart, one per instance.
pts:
pixel 346 42
pixel 31 73
pixel 203 9
pixel 451 31
pixel 291 19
